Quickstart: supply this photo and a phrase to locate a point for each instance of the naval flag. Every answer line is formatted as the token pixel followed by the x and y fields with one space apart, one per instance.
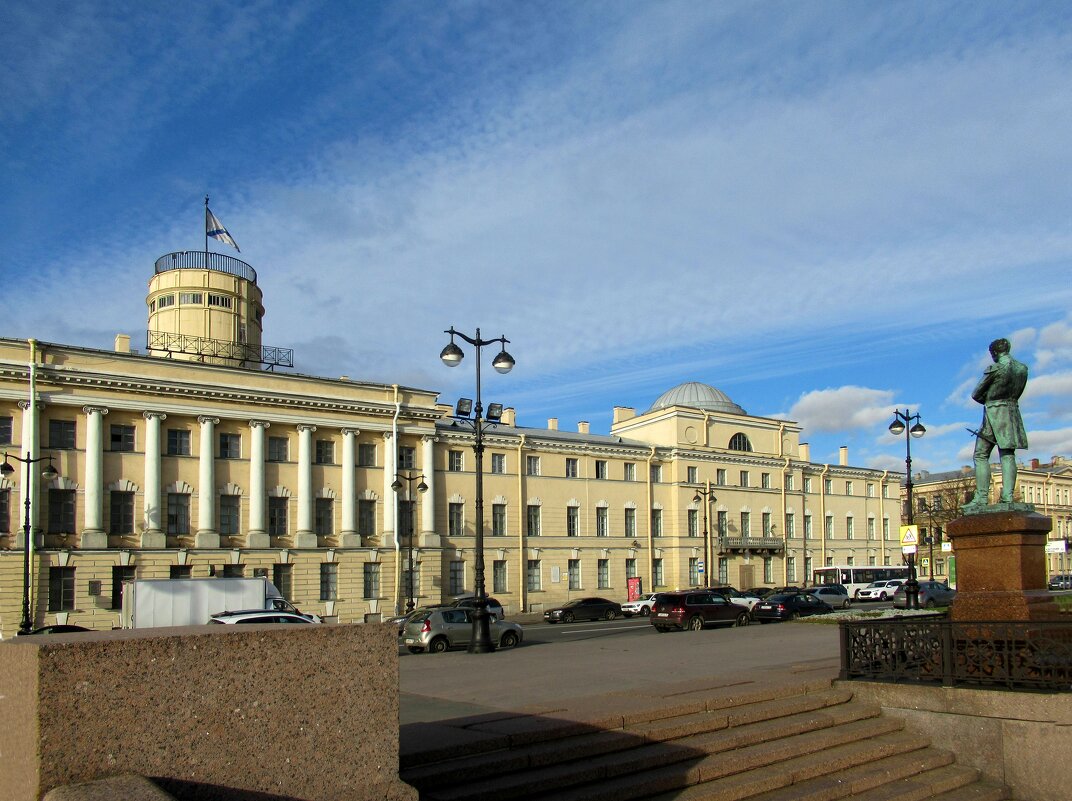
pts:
pixel 215 229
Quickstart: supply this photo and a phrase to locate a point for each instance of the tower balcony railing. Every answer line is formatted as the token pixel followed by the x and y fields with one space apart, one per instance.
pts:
pixel 204 347
pixel 202 260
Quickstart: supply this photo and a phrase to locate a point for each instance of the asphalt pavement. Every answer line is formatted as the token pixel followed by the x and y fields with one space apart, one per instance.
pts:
pixel 586 659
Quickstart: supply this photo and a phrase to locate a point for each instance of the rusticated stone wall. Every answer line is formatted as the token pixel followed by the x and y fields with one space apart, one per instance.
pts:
pixel 207 712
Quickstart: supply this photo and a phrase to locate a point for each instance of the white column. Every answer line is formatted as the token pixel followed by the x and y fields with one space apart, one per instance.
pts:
pixel 349 535
pixel 305 537
pixel 93 535
pixel 428 502
pixel 390 467
pixel 29 448
pixel 207 536
pixel 258 526
pixel 152 535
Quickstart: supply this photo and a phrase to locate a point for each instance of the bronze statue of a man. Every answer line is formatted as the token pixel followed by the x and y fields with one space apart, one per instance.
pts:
pixel 999 391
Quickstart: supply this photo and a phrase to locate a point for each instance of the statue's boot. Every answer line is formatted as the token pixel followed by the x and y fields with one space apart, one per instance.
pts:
pixel 1008 477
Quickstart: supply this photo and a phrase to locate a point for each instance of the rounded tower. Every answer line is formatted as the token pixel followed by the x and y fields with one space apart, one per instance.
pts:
pixel 206 307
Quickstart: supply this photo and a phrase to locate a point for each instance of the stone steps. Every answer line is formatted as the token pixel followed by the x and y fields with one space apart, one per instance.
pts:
pixel 803 743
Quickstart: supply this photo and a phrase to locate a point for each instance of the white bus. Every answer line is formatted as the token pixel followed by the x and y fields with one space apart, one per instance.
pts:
pixel 854 578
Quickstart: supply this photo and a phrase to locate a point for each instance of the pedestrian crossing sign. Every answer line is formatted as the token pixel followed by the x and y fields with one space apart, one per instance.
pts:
pixel 909 535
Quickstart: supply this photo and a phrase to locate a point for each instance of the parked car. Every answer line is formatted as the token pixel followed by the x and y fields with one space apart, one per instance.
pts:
pixel 789 606
pixel 584 609
pixel 760 592
pixel 695 609
pixel 1061 581
pixel 436 630
pixel 60 628
pixel 469 602
pixel 879 590
pixel 931 594
pixel 259 616
pixel 641 606
pixel 400 620
pixel 735 596
pixel 834 594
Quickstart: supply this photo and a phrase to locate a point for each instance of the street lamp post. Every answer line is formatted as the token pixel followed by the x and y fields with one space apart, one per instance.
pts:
pixel 452 355
pixel 705 497
pixel 397 485
pixel 49 473
pixel 903 423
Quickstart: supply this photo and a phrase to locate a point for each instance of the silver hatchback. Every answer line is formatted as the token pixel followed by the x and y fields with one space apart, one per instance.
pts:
pixel 437 630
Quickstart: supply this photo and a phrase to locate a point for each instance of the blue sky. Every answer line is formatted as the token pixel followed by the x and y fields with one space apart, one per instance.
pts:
pixel 826 210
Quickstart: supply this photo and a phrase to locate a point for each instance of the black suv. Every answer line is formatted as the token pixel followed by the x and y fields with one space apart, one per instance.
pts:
pixel 695 609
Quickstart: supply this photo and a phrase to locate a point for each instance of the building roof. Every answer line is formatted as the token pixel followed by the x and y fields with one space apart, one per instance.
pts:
pixel 697 396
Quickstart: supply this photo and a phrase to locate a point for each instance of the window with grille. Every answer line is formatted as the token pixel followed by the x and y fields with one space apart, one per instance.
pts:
pixel 603 574
pixel 602 521
pixel 325 451
pixel 723 570
pixel 498 463
pixel 573 521
pixel 456 519
pixel 629 471
pixel 407 457
pixel 457 577
pixel 533 521
pixel 532 575
pixel 656 473
pixel 791 568
pixel 764 480
pixel 61 434
pixel 768 570
pixel 278 449
pixel 723 523
pixel 366 454
pixel 790 524
pixel 220 301
pixel 121 512
pixel 693 517
pixel 739 442
pixel 366 518
pixel 850 529
pixel 178 514
pixel 532 465
pixel 324 517
pixel 164 301
pixel 454 461
pixel 694 571
pixel 5 430
pixel 573 571
pixel 190 298
pixel 329 581
pixel 178 442
pixel 60 589
pixel 61 511
pixel 122 438
pixel 498 576
pixel 746 524
pixel 630 521
pixel 230 446
pixel 692 475
pixel 571 468
pixel 657 573
pixel 601 468
pixel 656 522
pixel 630 568
pixel 744 478
pixel 370 583
pixel 283 579
pixel 229 514
pixel 5 511
pixel 277 517
pixel 498 520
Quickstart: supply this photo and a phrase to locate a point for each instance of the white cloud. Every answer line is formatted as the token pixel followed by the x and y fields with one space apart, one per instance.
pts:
pixel 1054 345
pixel 843 409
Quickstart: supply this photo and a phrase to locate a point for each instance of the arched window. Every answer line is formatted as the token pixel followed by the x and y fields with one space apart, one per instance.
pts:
pixel 739 442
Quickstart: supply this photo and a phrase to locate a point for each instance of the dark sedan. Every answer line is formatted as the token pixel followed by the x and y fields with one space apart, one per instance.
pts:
pixel 789 606
pixel 584 609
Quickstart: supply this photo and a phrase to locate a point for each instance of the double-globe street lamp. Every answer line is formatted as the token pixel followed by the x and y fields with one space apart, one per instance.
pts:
pixel 49 473
pixel 910 426
pixel 706 497
pixel 397 486
pixel 452 355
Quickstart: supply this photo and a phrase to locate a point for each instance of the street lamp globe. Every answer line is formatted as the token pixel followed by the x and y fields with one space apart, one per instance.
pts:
pixel 504 362
pixel 917 430
pixel 896 427
pixel 452 355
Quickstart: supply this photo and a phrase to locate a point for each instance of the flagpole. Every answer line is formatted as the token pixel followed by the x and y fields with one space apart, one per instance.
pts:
pixel 206 232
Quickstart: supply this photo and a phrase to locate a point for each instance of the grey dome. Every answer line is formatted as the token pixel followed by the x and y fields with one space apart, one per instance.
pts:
pixel 697 396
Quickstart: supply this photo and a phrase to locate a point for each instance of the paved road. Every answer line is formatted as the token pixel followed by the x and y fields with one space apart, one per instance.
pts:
pixel 588 659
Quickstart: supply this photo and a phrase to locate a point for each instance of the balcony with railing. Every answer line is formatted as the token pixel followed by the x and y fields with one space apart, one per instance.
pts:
pixel 202 260
pixel 750 544
pixel 214 349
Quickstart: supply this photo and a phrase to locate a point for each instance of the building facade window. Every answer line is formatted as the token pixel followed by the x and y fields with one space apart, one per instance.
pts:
pixel 601 468
pixel 630 521
pixel 657 573
pixel 183 572
pixel 532 575
pixel 532 465
pixel 746 524
pixel 571 467
pixel 739 442
pixel 325 451
pixel 234 571
pixel 61 589
pixel 766 522
pixel 602 521
pixel 370 580
pixel 870 528
pixel 828 527
pixel 808 532
pixel 456 577
pixel 277 517
pixel 61 504
pixel 656 473
pixel 764 480
pixel 122 438
pixel 850 531
pixel 178 514
pixel 278 449
pixel 692 475
pixel 693 522
pixel 630 568
pixel 229 515
pixel 120 512
pixel 407 511
pixel 498 520
pixel 283 578
pixel 807 568
pixel 694 571
pixel 848 488
pixel 629 471
pixel 573 521
pixel 532 520
pixel 411 582
pixel 885 528
pixel 790 568
pixel 498 576
pixel 870 490
pixel 120 573
pixel 5 511
pixel 329 581
pixel 454 461
pixel 723 570
pixel 828 486
pixel 789 481
pixel 498 463
pixel 456 519
pixel 178 442
pixel 656 522
pixel 573 573
pixel 723 522
pixel 603 574
pixel 807 483
pixel 5 430
pixel 61 435
pixel 324 517
pixel 366 454
pixel 720 477
pixel 230 446
pixel 407 457
pixel 744 478
pixel 790 525
pixel 768 570
pixel 366 517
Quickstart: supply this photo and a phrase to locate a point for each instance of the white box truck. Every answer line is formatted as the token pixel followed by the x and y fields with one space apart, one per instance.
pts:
pixel 191 601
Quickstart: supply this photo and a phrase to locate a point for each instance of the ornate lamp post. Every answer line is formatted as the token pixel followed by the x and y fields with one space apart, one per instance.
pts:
pixel 706 497
pixel 49 473
pixel 452 355
pixel 903 423
pixel 397 485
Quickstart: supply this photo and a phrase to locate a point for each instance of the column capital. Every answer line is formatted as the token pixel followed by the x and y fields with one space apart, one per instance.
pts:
pixel 429 438
pixel 350 432
pixel 387 435
pixel 204 419
pixel 154 415
pixel 305 427
pixel 95 410
pixel 259 424
pixel 25 404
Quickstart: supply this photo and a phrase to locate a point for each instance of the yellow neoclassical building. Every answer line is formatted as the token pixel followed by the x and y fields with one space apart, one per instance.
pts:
pixel 204 455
